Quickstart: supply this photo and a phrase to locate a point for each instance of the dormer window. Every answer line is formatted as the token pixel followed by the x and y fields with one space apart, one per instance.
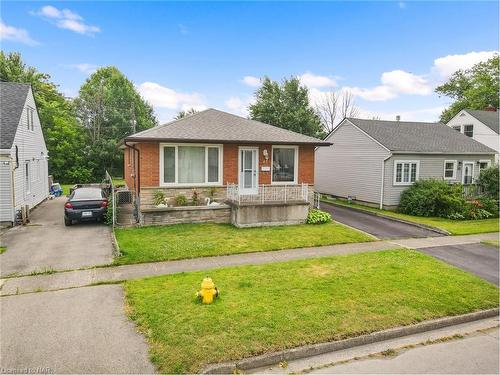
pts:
pixel 30 118
pixel 469 130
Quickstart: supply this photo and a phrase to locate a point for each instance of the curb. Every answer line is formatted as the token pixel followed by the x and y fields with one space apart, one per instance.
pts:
pixel 116 247
pixel 269 359
pixel 418 225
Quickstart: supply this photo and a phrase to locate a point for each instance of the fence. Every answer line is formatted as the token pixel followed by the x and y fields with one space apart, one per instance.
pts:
pixel 124 204
pixel 269 194
pixel 472 191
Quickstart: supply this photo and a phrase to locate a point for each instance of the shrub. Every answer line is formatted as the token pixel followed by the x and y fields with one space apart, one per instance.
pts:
pixel 473 210
pixel 158 197
pixel 488 180
pixel 108 217
pixel 316 216
pixel 181 200
pixel 489 204
pixel 195 199
pixel 432 198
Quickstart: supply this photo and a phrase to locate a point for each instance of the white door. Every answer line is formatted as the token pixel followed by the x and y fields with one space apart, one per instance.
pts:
pixel 248 170
pixel 467 172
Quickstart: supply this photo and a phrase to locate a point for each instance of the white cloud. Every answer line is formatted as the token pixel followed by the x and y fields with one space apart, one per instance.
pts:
pixel 315 81
pixel 84 67
pixel 239 106
pixel 447 65
pixel 251 81
pixel 394 83
pixel 67 19
pixel 402 5
pixel 164 97
pixel 16 35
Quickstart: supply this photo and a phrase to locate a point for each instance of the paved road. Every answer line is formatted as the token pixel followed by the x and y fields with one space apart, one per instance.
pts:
pixel 71 331
pixel 378 226
pixel 472 355
pixel 481 260
pixel 46 243
pixel 475 353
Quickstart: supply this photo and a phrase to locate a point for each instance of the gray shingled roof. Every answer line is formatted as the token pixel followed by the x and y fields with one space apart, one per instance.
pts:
pixel 12 99
pixel 488 118
pixel 419 137
pixel 214 126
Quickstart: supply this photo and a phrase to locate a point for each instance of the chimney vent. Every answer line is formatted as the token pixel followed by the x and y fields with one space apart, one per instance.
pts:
pixel 398 117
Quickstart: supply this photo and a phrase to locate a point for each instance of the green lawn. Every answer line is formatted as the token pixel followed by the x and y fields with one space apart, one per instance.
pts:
pixel 152 244
pixel 3 249
pixel 283 305
pixel 116 181
pixel 455 227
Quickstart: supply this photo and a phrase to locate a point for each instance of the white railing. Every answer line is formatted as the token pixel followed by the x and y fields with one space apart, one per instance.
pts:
pixel 270 193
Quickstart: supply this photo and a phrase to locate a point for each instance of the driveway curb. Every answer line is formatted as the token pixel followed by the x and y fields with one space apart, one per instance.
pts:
pixel 418 225
pixel 326 347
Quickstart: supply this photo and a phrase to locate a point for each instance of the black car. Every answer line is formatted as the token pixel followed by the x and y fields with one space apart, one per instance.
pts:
pixel 86 203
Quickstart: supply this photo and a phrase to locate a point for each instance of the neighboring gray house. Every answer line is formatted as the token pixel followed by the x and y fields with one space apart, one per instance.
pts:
pixel 482 126
pixel 373 161
pixel 23 154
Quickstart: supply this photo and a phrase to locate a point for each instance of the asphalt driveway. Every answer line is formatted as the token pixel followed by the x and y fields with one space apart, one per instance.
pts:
pixel 73 331
pixel 376 225
pixel 47 244
pixel 479 259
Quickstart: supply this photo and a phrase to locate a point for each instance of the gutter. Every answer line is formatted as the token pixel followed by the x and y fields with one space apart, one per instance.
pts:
pixel 218 141
pixel 138 179
pixel 381 203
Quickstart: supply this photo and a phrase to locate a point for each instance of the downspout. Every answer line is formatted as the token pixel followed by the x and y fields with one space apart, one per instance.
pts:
pixel 381 203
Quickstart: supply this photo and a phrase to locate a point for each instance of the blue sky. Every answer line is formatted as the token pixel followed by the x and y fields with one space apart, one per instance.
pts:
pixel 390 55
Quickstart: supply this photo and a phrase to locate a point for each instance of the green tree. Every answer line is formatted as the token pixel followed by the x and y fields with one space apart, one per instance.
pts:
pixel 187 112
pixel 287 106
pixel 489 181
pixel 109 108
pixel 63 135
pixel 475 88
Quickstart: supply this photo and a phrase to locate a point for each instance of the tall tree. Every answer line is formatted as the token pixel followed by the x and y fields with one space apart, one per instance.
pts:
pixel 287 106
pixel 332 107
pixel 187 112
pixel 474 88
pixel 63 135
pixel 110 108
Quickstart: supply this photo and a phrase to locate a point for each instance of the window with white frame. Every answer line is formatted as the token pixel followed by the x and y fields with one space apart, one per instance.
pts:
pixel 193 165
pixel 450 169
pixel 483 164
pixel 469 130
pixel 406 172
pixel 458 128
pixel 284 164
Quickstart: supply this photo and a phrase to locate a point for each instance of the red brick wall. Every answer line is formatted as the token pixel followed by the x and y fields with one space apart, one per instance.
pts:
pixel 150 164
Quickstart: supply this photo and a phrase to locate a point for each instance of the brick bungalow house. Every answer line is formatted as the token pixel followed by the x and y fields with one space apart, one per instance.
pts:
pixel 243 171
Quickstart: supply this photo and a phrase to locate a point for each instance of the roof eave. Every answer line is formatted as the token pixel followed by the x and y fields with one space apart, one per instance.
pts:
pixel 492 152
pixel 226 141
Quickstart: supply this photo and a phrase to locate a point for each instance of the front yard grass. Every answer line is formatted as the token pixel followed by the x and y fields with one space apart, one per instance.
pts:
pixel 272 307
pixel 3 249
pixel 455 227
pixel 495 243
pixel 153 244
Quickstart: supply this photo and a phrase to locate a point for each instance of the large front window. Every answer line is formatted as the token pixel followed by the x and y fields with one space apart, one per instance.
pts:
pixel 190 165
pixel 284 164
pixel 405 172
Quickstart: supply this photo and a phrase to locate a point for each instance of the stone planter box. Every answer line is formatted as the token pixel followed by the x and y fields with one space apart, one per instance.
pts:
pixel 185 214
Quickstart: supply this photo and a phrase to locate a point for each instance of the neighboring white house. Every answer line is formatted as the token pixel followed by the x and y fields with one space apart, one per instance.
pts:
pixel 23 153
pixel 373 161
pixel 479 125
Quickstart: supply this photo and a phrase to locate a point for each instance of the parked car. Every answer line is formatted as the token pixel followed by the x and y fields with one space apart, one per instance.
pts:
pixel 86 203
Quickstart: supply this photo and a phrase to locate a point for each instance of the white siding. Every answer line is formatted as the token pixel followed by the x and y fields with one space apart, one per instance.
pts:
pixel 481 132
pixel 6 209
pixel 431 166
pixel 32 150
pixel 352 166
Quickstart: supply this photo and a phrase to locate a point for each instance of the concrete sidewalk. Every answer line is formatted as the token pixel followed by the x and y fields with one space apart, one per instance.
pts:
pixel 79 278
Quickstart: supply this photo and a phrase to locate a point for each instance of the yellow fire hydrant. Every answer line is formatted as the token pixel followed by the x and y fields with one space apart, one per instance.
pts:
pixel 208 291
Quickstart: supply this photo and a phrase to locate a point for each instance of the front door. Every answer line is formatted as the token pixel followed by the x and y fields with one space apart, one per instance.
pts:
pixel 248 170
pixel 468 172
